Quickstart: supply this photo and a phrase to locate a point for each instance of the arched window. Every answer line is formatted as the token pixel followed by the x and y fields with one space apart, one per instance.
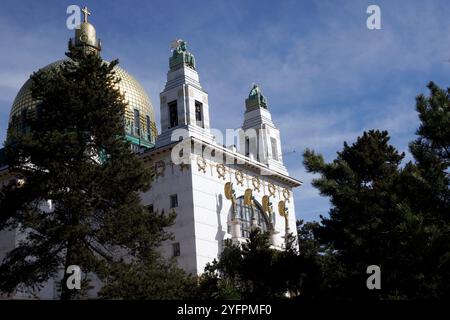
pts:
pixel 244 213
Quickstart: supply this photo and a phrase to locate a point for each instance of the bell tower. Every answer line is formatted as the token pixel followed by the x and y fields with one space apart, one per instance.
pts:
pixel 183 102
pixel 261 138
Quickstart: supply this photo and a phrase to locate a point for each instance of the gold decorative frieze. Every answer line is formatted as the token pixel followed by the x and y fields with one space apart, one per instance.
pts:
pixel 272 189
pixel 248 197
pixel 256 183
pixel 221 170
pixel 286 195
pixel 267 205
pixel 283 210
pixel 160 168
pixel 201 164
pixel 239 176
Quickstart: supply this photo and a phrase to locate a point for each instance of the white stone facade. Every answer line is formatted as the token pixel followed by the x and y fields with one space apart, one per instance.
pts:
pixel 204 214
pixel 203 211
pixel 195 188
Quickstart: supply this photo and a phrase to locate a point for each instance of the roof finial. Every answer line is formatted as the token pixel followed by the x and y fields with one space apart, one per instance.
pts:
pixel 86 13
pixel 257 97
pixel 180 55
pixel 85 40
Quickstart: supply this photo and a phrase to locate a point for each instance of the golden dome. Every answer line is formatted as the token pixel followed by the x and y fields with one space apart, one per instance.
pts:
pixel 135 96
pixel 138 102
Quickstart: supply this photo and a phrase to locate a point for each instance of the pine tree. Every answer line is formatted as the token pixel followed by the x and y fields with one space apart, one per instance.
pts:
pixel 312 263
pixel 149 276
pixel 426 185
pixel 72 152
pixel 386 215
pixel 367 219
pixel 252 270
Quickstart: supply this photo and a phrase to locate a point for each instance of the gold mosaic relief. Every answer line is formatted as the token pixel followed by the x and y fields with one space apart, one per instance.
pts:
pixel 221 171
pixel 286 195
pixel 239 176
pixel 160 168
pixel 272 189
pixel 256 183
pixel 201 164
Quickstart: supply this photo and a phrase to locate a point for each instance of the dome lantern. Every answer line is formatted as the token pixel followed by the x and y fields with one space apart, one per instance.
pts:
pixel 85 40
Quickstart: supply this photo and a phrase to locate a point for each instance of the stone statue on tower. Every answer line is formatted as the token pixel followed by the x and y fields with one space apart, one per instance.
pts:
pixel 180 55
pixel 256 97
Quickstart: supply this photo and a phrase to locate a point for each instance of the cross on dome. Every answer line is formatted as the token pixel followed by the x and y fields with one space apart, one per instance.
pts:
pixel 86 13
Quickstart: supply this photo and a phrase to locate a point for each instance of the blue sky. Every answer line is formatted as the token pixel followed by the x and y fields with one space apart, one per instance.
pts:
pixel 327 77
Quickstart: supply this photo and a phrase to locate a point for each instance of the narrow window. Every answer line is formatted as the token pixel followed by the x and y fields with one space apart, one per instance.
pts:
pixel 176 249
pixel 247 146
pixel 136 123
pixel 24 120
pixel 173 201
pixel 173 114
pixel 149 130
pixel 199 113
pixel 274 148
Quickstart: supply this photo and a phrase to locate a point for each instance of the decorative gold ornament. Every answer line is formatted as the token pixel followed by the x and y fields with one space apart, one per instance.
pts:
pixel 201 163
pixel 271 187
pixel 221 171
pixel 267 206
pixel 239 176
pixel 282 210
pixel 230 194
pixel 286 195
pixel 227 190
pixel 248 198
pixel 20 183
pixel 256 183
pixel 160 168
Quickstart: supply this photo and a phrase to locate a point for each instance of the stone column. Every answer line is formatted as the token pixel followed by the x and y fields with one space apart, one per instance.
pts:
pixel 235 229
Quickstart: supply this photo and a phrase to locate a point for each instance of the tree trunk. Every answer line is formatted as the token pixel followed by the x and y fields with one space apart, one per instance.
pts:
pixel 66 293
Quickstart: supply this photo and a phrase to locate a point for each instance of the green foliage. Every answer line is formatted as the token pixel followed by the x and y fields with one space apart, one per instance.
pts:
pixel 384 214
pixel 154 279
pixel 427 189
pixel 363 226
pixel 97 217
pixel 252 270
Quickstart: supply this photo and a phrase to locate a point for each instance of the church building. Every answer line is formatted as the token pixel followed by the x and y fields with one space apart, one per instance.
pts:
pixel 219 189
